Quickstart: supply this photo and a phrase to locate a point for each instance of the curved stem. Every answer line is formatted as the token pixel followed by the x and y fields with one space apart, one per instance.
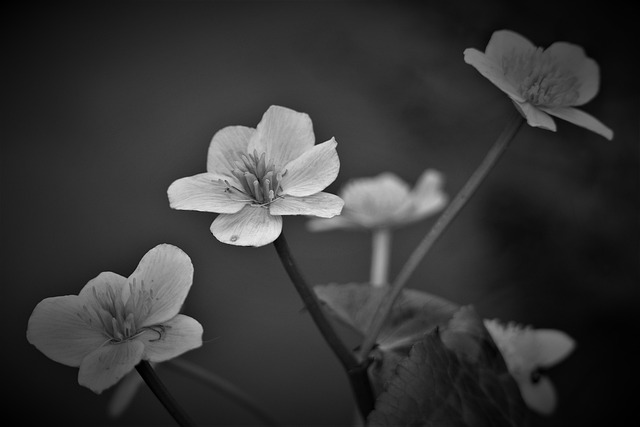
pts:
pixel 356 371
pixel 153 381
pixel 438 228
pixel 380 251
pixel 222 386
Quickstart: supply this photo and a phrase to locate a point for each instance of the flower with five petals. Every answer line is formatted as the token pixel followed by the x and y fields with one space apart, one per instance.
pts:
pixel 255 176
pixel 115 321
pixel 527 352
pixel 541 82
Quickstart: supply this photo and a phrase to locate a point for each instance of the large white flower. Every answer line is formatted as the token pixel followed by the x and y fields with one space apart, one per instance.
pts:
pixel 254 176
pixel 115 321
pixel 527 351
pixel 386 201
pixel 541 82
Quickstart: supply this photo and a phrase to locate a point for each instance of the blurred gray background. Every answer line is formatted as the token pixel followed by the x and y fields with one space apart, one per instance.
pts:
pixel 106 103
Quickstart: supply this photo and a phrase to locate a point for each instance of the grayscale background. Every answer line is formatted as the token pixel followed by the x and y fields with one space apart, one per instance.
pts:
pixel 107 103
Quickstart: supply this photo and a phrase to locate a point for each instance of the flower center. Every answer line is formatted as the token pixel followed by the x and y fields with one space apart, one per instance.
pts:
pixel 540 79
pixel 119 320
pixel 259 180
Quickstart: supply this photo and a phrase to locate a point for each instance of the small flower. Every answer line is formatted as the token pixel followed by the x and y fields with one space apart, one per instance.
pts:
pixel 527 352
pixel 541 82
pixel 385 201
pixel 115 322
pixel 254 176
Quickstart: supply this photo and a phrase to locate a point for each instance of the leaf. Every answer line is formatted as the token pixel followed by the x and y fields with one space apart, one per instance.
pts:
pixel 414 312
pixel 453 376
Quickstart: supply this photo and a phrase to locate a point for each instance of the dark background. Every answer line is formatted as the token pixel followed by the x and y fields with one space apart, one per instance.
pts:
pixel 106 103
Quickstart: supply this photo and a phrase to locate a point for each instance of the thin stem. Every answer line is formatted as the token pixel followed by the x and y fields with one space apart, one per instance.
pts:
pixel 153 381
pixel 380 251
pixel 356 371
pixel 222 386
pixel 438 228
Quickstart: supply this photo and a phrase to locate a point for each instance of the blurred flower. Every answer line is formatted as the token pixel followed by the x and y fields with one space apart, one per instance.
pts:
pixel 385 201
pixel 115 322
pixel 541 82
pixel 526 352
pixel 254 176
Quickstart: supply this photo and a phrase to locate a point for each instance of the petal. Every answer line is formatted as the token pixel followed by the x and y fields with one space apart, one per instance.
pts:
pixel 553 346
pixel 181 334
pixel 283 134
pixel 252 226
pixel 540 397
pixel 57 330
pixel 506 42
pixel 492 70
pixel 203 192
pixel 535 116
pixel 166 271
pixel 326 224
pixel 427 195
pixel 107 365
pixel 313 171
pixel 225 146
pixel 124 394
pixel 101 282
pixel 320 204
pixel 582 119
pixel 573 59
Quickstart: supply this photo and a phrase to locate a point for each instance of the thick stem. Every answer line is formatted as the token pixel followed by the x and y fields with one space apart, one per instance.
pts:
pixel 158 388
pixel 360 384
pixel 438 228
pixel 380 251
pixel 222 386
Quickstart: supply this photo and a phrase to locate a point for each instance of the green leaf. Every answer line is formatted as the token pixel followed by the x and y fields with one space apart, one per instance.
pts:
pixel 453 376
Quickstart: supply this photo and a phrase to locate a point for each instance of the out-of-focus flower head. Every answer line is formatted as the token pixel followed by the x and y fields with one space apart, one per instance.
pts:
pixel 527 352
pixel 385 201
pixel 254 176
pixel 541 82
pixel 115 321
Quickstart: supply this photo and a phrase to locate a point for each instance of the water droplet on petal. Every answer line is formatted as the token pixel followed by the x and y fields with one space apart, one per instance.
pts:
pixel 234 238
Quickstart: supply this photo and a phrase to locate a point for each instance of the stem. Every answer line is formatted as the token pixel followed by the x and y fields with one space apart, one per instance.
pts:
pixel 224 387
pixel 438 228
pixel 380 250
pixel 356 371
pixel 153 381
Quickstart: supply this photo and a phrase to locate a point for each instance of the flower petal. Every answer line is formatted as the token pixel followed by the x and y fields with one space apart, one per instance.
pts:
pixel 108 364
pixel 582 119
pixel 320 204
pixel 167 271
pixel 573 59
pixel 540 397
pixel 124 394
pixel 492 70
pixel 203 192
pixel 326 224
pixel 427 195
pixel 57 330
pixel 553 346
pixel 313 171
pixel 225 146
pixel 252 226
pixel 181 334
pixel 283 134
pixel 535 116
pixel 507 42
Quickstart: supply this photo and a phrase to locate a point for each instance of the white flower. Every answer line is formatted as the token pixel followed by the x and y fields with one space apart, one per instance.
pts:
pixel 526 351
pixel 541 82
pixel 254 176
pixel 385 201
pixel 115 321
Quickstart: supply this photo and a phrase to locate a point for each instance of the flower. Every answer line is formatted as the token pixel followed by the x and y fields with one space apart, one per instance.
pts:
pixel 541 83
pixel 254 176
pixel 526 352
pixel 385 201
pixel 115 322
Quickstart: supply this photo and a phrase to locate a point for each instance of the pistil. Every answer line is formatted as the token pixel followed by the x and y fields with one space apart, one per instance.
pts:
pixel 259 181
